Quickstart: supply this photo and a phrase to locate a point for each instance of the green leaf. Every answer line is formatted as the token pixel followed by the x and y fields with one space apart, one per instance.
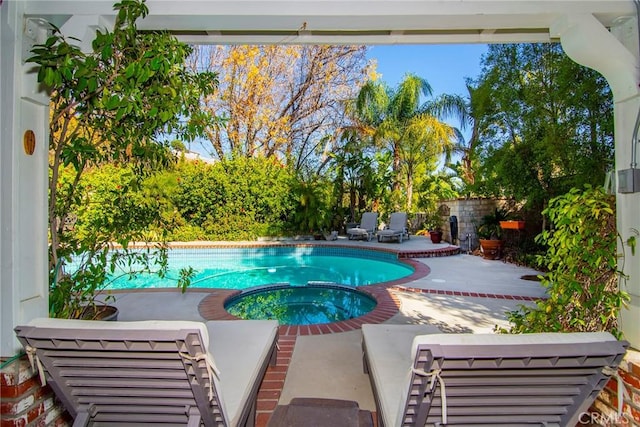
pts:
pixel 130 71
pixel 107 52
pixel 155 64
pixel 92 84
pixel 631 242
pixel 120 113
pixel 49 77
pixel 112 102
pixel 82 84
pixel 42 72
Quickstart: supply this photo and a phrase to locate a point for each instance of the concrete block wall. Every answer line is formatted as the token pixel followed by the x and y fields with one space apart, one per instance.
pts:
pixel 469 213
pixel 24 402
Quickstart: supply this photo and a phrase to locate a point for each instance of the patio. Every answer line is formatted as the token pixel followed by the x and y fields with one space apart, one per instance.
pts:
pixel 585 28
pixel 458 293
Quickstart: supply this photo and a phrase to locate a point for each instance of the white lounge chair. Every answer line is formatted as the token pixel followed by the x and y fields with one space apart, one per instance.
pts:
pixel 367 227
pixel 153 372
pixel 397 228
pixel 486 379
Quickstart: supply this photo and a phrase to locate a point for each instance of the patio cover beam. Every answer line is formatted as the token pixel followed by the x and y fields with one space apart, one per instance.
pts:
pixel 351 22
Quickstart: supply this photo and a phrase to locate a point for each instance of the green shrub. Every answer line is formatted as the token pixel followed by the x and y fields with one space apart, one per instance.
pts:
pixel 187 233
pixel 238 199
pixel 113 202
pixel 311 212
pixel 583 280
pixel 233 227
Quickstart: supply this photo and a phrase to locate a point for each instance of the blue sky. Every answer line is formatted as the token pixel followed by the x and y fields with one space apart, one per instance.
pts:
pixel 445 67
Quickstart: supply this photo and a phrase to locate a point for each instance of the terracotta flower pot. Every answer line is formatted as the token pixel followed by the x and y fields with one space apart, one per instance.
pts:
pixel 491 249
pixel 436 236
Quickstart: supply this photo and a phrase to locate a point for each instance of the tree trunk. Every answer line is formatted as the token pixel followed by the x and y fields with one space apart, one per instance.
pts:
pixel 409 190
pixel 396 167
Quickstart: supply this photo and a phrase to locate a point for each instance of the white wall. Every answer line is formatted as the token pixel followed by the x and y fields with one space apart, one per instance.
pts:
pixel 628 208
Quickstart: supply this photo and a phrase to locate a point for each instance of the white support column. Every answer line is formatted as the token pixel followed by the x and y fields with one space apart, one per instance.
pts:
pixel 23 179
pixel 587 42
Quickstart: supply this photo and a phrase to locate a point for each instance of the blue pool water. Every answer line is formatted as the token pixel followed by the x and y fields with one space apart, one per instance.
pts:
pixel 301 305
pixel 242 268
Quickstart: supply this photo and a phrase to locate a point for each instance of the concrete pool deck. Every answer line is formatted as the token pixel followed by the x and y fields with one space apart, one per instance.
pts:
pixel 460 293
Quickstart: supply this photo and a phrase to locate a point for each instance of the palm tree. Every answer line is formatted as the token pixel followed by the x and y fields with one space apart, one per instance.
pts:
pixel 424 140
pixel 469 111
pixel 399 122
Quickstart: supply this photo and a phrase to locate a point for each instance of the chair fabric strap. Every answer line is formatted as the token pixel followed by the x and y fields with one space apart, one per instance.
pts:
pixel 211 369
pixel 435 377
pixel 35 363
pixel 622 391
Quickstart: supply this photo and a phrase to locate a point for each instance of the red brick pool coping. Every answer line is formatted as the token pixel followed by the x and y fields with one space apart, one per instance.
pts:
pixel 465 294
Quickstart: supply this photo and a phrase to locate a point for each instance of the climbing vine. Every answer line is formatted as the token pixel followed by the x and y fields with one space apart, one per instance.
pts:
pixel 585 279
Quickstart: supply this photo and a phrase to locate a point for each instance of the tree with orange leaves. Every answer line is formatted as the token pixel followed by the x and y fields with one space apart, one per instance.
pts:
pixel 280 100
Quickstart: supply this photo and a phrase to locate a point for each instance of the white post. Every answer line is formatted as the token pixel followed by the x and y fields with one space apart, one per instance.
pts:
pixel 615 55
pixel 23 179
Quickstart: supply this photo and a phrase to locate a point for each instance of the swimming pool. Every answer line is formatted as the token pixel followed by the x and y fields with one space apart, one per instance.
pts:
pixel 242 268
pixel 301 305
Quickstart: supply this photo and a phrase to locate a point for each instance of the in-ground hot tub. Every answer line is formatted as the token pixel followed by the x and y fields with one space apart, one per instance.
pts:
pixel 314 303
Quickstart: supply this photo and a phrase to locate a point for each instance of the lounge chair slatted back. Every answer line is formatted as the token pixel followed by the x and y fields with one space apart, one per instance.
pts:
pixel 367 227
pixel 519 384
pixel 145 376
pixel 156 376
pixel 397 228
pixel 534 379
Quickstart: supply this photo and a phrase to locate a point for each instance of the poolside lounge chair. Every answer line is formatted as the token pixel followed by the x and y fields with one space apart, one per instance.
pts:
pixel 397 228
pixel 452 379
pixel 153 372
pixel 367 227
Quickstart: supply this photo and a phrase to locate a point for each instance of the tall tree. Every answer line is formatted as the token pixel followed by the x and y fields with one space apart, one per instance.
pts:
pixel 279 100
pixel 404 124
pixel 552 126
pixel 468 110
pixel 424 141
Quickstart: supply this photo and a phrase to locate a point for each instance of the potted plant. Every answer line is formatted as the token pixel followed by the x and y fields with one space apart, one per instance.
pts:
pixel 432 227
pixel 111 106
pixel 489 234
pixel 436 235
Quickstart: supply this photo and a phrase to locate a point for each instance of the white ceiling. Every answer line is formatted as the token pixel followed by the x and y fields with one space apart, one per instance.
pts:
pixel 352 21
